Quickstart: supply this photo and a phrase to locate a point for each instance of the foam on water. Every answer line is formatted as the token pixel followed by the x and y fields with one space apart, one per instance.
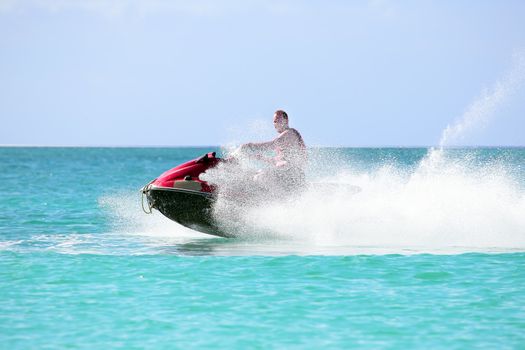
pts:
pixel 444 203
pixel 126 215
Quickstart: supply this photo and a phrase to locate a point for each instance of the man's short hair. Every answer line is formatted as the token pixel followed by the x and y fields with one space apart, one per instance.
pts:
pixel 282 113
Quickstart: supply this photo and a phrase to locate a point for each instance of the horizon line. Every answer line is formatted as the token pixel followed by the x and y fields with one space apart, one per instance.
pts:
pixel 218 146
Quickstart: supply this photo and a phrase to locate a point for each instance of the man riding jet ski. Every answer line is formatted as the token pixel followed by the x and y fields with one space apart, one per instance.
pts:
pixel 288 165
pixel 182 194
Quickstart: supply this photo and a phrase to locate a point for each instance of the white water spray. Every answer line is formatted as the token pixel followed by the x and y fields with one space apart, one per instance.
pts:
pixel 446 203
pixel 479 113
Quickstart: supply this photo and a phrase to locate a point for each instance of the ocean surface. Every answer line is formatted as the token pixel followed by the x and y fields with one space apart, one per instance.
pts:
pixel 429 254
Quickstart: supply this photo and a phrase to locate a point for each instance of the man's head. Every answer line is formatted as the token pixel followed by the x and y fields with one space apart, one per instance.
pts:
pixel 280 120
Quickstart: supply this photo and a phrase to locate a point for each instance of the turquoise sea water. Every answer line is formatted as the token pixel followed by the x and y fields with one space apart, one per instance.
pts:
pixel 430 254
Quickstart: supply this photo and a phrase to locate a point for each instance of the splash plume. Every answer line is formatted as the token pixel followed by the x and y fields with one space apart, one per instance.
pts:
pixel 481 111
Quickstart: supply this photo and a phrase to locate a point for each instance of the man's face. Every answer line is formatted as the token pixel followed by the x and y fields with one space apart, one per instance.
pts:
pixel 279 122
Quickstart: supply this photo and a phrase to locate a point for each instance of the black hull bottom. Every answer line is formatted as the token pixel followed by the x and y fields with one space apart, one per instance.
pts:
pixel 192 209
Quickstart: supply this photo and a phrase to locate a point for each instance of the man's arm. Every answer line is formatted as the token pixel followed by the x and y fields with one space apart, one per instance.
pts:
pixel 270 145
pixel 259 146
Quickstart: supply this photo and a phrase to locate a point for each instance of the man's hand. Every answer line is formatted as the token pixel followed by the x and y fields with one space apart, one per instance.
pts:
pixel 263 159
pixel 247 146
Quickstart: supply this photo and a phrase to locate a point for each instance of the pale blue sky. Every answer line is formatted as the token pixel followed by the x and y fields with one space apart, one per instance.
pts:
pixel 368 73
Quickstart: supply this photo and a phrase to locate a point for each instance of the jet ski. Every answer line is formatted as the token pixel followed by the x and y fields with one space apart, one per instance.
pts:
pixel 180 195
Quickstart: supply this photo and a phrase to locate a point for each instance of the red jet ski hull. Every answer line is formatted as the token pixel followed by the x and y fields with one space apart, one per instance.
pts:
pixel 180 195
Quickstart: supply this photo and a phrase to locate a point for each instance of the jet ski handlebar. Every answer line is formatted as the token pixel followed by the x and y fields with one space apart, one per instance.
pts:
pixel 206 158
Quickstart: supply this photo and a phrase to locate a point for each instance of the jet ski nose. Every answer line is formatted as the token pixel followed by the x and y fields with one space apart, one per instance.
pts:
pixel 145 193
